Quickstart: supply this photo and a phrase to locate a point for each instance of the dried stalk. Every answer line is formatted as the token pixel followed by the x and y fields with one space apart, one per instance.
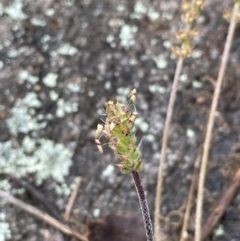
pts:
pixel 50 207
pixel 41 215
pixel 224 202
pixel 190 195
pixel 211 121
pixel 191 10
pixel 164 147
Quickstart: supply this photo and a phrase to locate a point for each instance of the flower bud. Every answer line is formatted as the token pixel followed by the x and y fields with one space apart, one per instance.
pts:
pixel 182 35
pixel 186 6
pixel 199 4
pixel 194 32
pixel 186 50
pixel 190 16
pixel 176 51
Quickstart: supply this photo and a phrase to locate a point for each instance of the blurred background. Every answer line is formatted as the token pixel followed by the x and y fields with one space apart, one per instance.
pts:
pixel 61 61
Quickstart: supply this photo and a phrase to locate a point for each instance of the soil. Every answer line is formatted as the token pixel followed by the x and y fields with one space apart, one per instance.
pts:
pixel 104 70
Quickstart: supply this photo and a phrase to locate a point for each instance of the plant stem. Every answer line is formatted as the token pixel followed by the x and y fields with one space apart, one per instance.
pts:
pixel 164 147
pixel 211 121
pixel 144 206
pixel 193 187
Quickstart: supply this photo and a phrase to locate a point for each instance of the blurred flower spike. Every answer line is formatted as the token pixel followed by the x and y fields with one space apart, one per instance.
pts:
pixel 118 131
pixel 191 10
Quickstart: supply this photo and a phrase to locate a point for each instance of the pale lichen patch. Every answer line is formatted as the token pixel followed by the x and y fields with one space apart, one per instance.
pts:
pixel 73 87
pixel 160 61
pixel 22 118
pixel 38 22
pixel 108 170
pixel 14 10
pixel 5 232
pixel 157 88
pixel 50 80
pixel 127 35
pixel 65 49
pixel 26 76
pixel 64 107
pixel 53 95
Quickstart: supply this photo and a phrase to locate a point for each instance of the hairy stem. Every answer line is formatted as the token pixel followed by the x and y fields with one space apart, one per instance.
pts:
pixel 164 147
pixel 144 206
pixel 211 121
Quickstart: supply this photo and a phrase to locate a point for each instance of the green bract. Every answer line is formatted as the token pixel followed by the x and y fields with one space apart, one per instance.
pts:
pixel 117 129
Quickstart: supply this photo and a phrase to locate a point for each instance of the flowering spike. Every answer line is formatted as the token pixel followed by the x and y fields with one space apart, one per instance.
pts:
pixel 117 129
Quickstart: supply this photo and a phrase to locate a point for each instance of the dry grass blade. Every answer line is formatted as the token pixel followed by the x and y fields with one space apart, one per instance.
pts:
pixel 41 215
pixel 72 199
pixel 211 121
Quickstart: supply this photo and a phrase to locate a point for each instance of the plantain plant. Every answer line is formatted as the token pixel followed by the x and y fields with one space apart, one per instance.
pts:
pixel 117 129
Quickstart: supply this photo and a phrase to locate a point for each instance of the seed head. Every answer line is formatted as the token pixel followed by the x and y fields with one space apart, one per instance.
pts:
pixel 118 131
